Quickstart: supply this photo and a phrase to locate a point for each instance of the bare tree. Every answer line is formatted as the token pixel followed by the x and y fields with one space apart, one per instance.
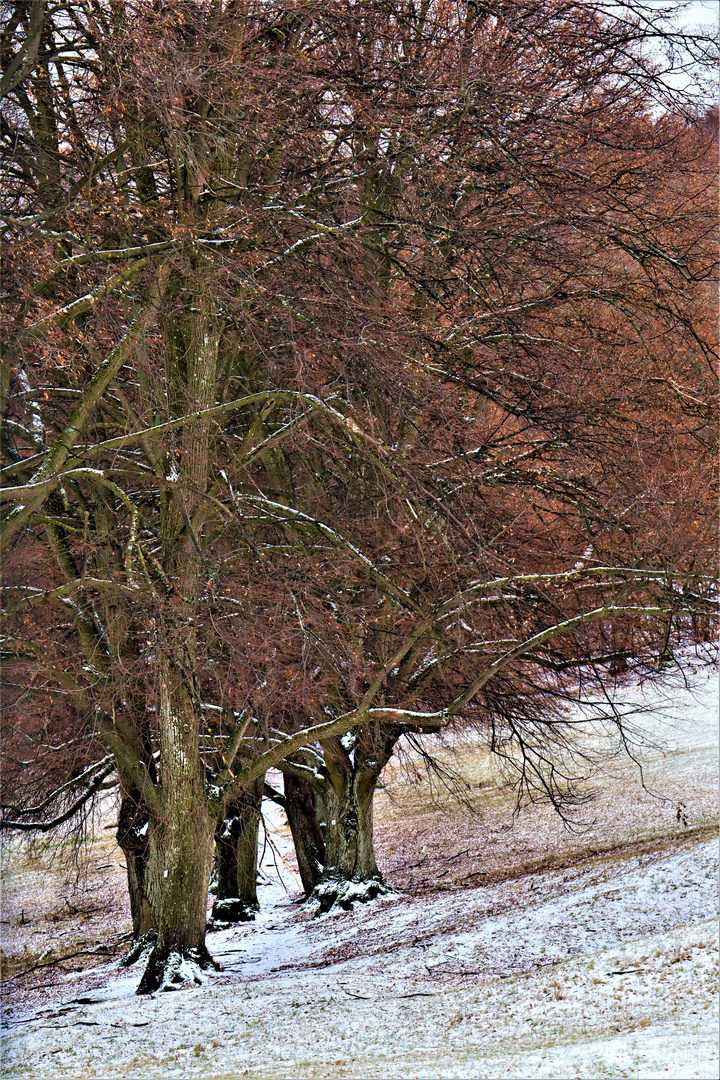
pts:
pixel 354 353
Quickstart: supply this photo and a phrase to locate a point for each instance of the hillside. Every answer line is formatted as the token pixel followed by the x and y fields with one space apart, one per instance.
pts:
pixel 512 946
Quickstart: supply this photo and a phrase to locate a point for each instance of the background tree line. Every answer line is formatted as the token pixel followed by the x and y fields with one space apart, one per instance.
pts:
pixel 357 382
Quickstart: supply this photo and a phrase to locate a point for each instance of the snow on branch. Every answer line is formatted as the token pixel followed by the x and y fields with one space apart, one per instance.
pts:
pixel 86 774
pixel 411 718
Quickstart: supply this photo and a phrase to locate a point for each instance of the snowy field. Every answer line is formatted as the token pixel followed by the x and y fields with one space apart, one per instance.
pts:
pixel 512 947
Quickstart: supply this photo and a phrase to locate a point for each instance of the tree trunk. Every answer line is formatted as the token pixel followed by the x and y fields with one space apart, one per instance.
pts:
pixel 132 837
pixel 180 953
pixel 351 872
pixel 182 834
pixel 182 844
pixel 133 831
pixel 666 656
pixel 236 844
pixel 302 815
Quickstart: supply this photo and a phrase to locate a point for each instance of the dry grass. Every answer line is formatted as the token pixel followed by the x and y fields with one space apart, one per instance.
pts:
pixel 430 839
pixel 60 901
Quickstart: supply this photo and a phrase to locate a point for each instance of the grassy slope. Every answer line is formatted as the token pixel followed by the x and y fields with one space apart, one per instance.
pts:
pixel 515 948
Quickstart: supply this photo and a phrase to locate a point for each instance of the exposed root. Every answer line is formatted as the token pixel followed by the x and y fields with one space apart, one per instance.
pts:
pixel 173 968
pixel 341 893
pixel 231 910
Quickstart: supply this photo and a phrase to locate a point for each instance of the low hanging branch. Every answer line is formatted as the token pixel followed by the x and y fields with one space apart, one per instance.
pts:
pixel 428 720
pixel 86 774
pixel 70 811
pixel 480 590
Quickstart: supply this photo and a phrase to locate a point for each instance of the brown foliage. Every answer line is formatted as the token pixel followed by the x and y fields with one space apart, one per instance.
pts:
pixel 439 279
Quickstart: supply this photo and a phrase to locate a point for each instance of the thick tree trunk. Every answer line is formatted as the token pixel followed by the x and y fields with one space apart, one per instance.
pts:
pixel 236 844
pixel 182 834
pixel 133 831
pixel 351 872
pixel 182 844
pixel 302 815
pixel 180 953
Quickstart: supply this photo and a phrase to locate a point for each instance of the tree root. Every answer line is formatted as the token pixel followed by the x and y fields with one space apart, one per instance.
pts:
pixel 341 893
pixel 172 967
pixel 231 910
pixel 140 949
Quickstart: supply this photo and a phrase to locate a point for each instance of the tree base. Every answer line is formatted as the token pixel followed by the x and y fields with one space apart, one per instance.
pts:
pixel 340 893
pixel 231 910
pixel 140 949
pixel 174 968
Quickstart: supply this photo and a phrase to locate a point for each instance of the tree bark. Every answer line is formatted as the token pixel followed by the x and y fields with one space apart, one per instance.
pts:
pixel 182 843
pixel 182 835
pixel 302 815
pixel 351 872
pixel 180 952
pixel 132 837
pixel 236 844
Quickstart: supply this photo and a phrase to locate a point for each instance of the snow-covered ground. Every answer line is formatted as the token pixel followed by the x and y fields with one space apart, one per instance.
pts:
pixel 599 963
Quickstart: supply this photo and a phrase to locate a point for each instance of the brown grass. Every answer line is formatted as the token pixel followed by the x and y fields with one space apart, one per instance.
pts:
pixel 62 909
pixel 429 839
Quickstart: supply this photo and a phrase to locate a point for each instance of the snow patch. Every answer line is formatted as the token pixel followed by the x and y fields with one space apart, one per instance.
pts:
pixel 181 970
